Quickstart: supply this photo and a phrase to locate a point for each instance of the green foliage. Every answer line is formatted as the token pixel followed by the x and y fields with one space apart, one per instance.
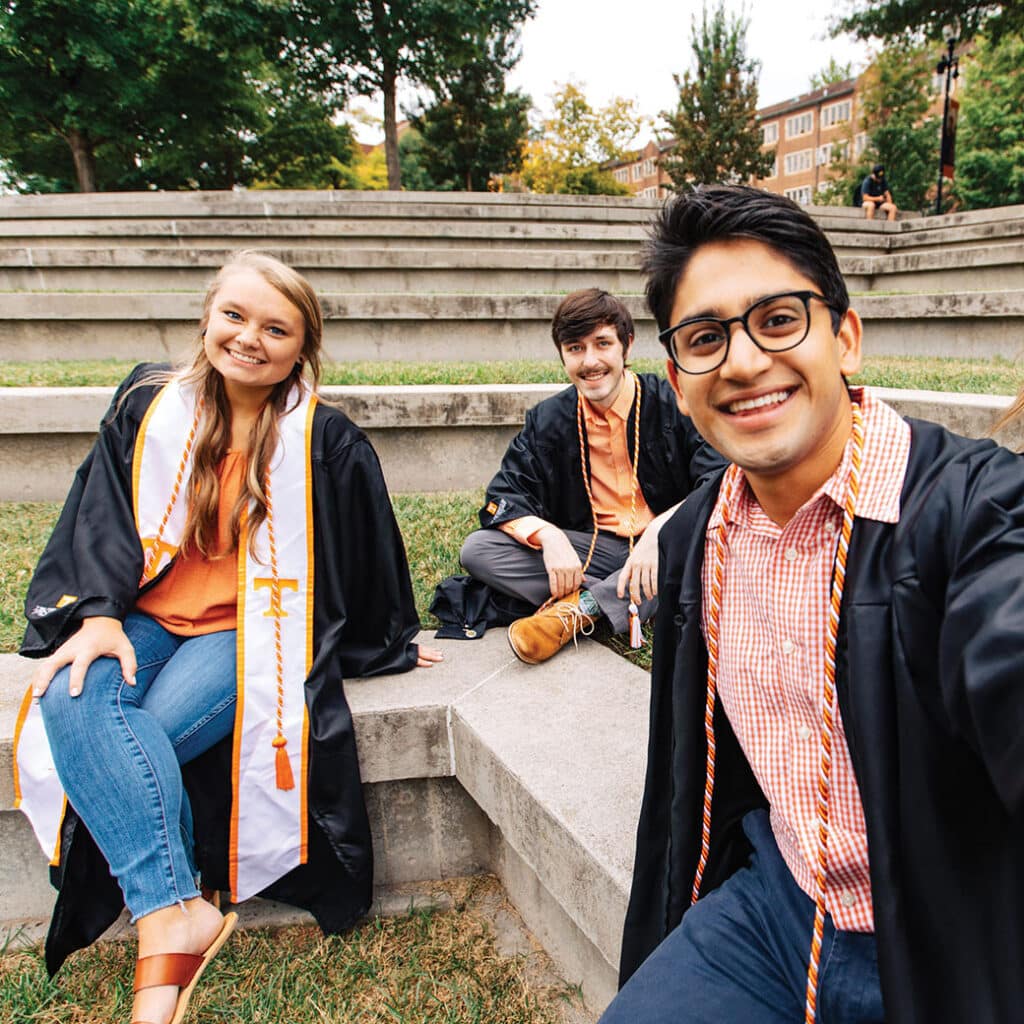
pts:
pixel 990 135
pixel 475 130
pixel 566 154
pixel 893 20
pixel 902 134
pixel 831 74
pixel 134 94
pixel 365 46
pixel 714 120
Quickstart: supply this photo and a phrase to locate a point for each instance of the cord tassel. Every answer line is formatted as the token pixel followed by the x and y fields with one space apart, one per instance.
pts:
pixel 285 779
pixel 636 636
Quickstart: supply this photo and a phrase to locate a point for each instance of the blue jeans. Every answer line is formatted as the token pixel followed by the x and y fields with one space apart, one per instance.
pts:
pixel 118 748
pixel 740 954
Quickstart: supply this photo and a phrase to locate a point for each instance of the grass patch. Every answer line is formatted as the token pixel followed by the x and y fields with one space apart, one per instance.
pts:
pixel 440 967
pixel 433 525
pixel 976 376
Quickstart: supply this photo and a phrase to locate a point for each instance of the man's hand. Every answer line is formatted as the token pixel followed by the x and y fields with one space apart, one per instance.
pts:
pixel 565 570
pixel 639 576
pixel 98 637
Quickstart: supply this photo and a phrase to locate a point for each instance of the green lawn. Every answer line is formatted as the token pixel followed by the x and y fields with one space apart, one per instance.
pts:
pixel 978 376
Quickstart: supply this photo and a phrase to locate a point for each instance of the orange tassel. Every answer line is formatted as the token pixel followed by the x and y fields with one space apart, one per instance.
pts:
pixel 285 779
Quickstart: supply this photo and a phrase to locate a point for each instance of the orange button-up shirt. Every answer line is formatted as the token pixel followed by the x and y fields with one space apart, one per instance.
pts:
pixel 774 615
pixel 611 472
pixel 200 595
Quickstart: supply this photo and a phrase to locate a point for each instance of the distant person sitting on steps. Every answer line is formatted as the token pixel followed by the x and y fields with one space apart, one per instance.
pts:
pixel 571 519
pixel 876 194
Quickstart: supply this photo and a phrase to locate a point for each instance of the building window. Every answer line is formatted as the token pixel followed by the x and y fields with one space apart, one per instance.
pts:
pixel 636 172
pixel 860 142
pixel 801 195
pixel 801 160
pixel 651 192
pixel 773 171
pixel 622 175
pixel 770 133
pixel 800 124
pixel 835 113
pixel 648 167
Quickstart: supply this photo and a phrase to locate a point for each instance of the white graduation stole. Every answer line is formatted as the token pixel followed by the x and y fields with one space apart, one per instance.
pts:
pixel 275 642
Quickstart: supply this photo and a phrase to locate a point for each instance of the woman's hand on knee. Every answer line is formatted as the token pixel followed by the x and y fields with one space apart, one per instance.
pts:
pixel 98 637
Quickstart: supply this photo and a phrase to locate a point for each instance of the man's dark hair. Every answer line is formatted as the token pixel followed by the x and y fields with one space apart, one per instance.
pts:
pixel 582 312
pixel 718 213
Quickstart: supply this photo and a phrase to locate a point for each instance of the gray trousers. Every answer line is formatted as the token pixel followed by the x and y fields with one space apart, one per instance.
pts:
pixel 500 561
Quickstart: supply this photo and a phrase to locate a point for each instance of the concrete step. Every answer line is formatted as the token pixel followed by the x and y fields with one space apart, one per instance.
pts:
pixel 155 325
pixel 532 772
pixel 467 271
pixel 437 270
pixel 431 438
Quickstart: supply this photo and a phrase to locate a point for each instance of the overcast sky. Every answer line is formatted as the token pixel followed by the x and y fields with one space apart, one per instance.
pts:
pixel 631 48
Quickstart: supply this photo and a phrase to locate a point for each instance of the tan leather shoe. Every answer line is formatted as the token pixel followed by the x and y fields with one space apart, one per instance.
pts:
pixel 538 636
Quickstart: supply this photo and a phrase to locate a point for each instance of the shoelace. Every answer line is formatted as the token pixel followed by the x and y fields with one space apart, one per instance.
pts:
pixel 575 620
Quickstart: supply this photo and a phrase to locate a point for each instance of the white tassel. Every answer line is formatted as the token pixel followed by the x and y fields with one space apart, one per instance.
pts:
pixel 636 637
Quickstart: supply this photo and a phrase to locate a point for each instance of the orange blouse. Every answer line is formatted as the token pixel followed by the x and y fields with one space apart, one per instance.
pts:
pixel 200 595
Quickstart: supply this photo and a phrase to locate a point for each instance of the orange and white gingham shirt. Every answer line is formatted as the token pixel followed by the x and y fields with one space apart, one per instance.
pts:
pixel 611 473
pixel 772 657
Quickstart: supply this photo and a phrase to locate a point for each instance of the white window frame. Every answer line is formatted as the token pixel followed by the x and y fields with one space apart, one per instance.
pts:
pixel 836 113
pixel 770 133
pixel 800 194
pixel 795 124
pixel 798 161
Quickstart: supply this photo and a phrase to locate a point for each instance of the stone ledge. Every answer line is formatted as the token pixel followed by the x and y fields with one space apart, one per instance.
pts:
pixel 552 754
pixel 429 438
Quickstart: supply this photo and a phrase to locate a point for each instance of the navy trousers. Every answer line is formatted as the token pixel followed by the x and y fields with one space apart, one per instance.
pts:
pixel 740 956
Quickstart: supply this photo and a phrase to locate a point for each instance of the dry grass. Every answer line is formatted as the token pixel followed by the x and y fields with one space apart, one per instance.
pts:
pixel 426 967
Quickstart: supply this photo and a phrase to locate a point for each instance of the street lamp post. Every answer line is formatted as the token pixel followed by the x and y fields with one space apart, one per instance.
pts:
pixel 950 66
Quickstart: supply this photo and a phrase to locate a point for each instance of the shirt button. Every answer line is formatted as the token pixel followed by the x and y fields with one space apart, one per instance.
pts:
pixel 848 899
pixel 804 732
pixel 830 527
pixel 788 647
pixel 791 554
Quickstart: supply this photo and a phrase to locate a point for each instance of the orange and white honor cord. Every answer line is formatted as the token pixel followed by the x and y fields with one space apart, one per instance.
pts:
pixel 636 638
pixel 282 766
pixel 153 549
pixel 828 704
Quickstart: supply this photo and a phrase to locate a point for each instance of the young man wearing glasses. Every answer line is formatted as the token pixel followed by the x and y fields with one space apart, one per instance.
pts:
pixel 833 820
pixel 571 519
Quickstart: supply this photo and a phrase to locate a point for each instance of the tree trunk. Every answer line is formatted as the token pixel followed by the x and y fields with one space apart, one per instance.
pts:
pixel 84 158
pixel 388 78
pixel 391 129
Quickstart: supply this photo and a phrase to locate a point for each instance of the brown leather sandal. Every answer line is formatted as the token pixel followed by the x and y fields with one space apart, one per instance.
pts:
pixel 181 969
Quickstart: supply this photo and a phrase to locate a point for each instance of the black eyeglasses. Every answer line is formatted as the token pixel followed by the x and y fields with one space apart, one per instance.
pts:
pixel 774 324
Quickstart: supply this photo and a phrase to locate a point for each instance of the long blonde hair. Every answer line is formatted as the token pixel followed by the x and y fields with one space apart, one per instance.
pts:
pixel 1015 411
pixel 214 437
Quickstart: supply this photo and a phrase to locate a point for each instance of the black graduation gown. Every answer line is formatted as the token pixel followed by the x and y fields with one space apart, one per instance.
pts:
pixel 541 474
pixel 930 679
pixel 364 621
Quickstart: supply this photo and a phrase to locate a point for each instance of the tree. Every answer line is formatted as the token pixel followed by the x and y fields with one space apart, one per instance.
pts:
pixel 475 130
pixel 366 46
pixel 566 154
pixel 901 133
pixel 140 93
pixel 925 19
pixel 990 135
pixel 718 139
pixel 832 74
